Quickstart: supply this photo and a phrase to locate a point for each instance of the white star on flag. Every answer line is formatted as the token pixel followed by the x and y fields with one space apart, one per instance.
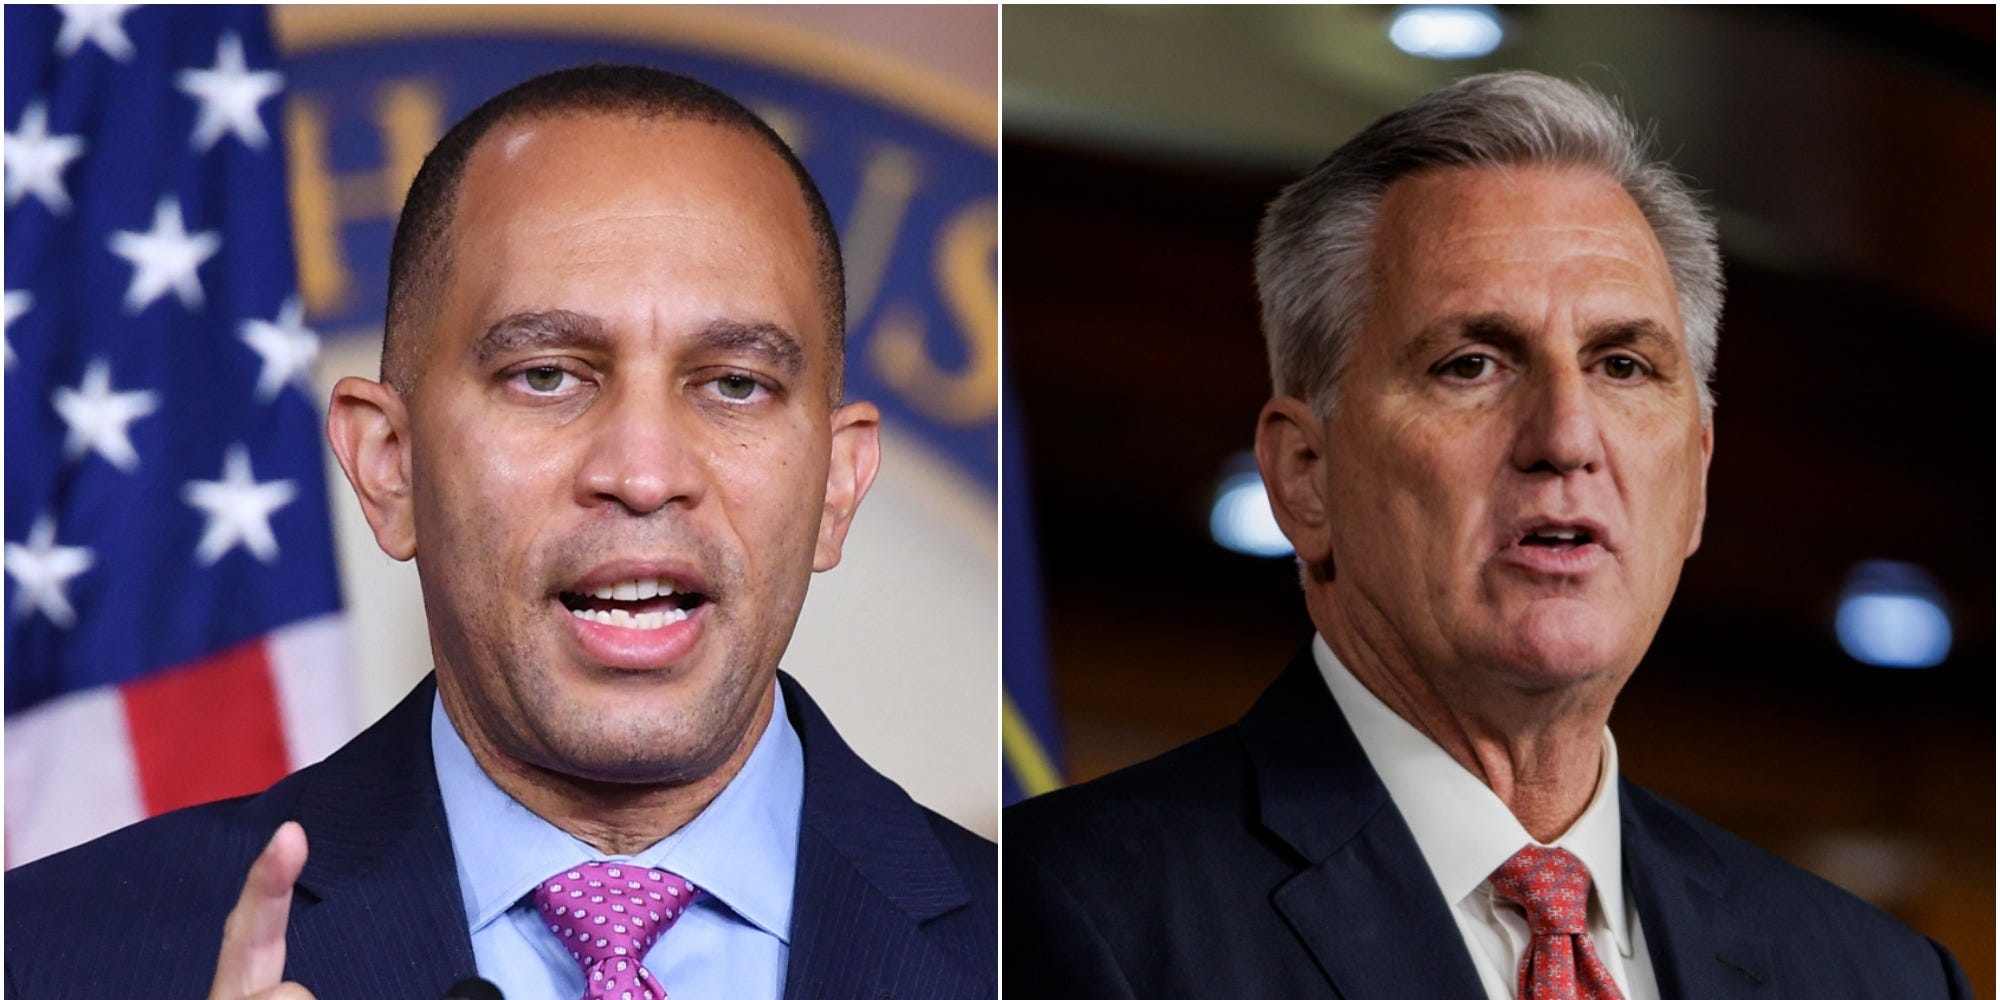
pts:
pixel 18 304
pixel 100 24
pixel 41 569
pixel 99 419
pixel 287 347
pixel 165 257
pixel 36 160
pixel 229 94
pixel 238 508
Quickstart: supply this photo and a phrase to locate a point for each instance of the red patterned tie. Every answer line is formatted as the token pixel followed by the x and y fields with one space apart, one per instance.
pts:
pixel 1554 888
pixel 607 914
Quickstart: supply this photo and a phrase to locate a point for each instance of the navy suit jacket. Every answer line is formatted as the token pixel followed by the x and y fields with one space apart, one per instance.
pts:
pixel 1268 860
pixel 892 900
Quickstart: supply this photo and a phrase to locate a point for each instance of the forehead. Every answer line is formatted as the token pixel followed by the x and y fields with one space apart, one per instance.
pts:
pixel 564 161
pixel 591 211
pixel 1507 231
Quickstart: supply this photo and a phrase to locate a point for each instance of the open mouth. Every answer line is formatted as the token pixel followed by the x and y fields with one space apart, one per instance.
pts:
pixel 642 604
pixel 1558 537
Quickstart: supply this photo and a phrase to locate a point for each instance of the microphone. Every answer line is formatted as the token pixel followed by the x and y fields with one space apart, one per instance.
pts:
pixel 473 988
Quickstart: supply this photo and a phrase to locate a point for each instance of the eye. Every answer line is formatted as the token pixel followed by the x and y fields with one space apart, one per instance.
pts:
pixel 1623 367
pixel 544 379
pixel 736 387
pixel 739 388
pixel 1467 366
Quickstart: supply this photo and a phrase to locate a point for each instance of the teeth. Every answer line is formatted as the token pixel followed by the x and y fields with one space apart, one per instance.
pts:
pixel 621 618
pixel 634 590
pixel 1565 534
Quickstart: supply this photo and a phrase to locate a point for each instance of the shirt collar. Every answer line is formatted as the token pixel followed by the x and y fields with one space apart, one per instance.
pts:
pixel 1462 828
pixel 742 850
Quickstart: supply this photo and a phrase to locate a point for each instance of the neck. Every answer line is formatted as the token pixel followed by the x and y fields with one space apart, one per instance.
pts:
pixel 1539 750
pixel 615 817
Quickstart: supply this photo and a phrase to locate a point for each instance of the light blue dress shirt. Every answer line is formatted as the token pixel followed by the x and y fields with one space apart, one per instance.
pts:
pixel 742 851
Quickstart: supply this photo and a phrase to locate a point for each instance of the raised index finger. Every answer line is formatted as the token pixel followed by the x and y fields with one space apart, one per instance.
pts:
pixel 253 938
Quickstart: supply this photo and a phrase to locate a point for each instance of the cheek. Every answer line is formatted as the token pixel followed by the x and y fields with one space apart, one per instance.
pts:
pixel 1665 502
pixel 488 493
pixel 773 487
pixel 1420 490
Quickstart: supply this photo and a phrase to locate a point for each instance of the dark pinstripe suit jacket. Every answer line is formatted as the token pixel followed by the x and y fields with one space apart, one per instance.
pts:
pixel 892 899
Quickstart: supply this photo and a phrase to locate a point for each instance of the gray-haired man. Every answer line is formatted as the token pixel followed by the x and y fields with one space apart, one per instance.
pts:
pixel 1492 324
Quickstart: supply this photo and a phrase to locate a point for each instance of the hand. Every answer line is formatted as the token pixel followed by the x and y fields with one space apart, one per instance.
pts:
pixel 253 938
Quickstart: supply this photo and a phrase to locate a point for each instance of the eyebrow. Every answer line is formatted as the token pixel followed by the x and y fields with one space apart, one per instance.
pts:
pixel 775 345
pixel 1495 327
pixel 562 328
pixel 1633 333
pixel 541 330
pixel 1502 331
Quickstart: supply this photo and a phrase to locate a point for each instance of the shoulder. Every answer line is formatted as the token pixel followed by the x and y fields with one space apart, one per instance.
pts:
pixel 974 856
pixel 904 849
pixel 163 886
pixel 1813 928
pixel 159 889
pixel 1186 800
pixel 1093 854
pixel 1757 878
pixel 1155 880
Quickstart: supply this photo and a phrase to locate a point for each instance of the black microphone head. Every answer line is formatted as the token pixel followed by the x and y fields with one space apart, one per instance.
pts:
pixel 473 988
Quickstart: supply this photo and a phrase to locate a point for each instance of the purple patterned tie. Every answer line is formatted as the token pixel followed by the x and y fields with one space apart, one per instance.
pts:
pixel 608 913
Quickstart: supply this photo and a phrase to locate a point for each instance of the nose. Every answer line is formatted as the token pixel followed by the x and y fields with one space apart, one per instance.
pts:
pixel 1559 430
pixel 643 454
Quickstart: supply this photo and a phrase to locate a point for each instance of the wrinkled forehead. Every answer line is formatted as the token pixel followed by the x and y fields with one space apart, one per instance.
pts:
pixel 1501 223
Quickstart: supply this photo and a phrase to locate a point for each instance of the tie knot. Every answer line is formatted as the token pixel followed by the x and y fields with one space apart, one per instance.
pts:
pixel 608 914
pixel 1550 884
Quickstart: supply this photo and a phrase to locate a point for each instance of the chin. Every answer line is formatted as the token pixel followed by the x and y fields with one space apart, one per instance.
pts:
pixel 1558 644
pixel 665 727
pixel 646 750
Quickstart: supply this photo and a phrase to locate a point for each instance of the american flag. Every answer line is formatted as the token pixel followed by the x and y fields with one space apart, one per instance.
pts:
pixel 173 627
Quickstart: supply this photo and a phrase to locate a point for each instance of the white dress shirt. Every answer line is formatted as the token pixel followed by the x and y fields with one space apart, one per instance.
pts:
pixel 1465 832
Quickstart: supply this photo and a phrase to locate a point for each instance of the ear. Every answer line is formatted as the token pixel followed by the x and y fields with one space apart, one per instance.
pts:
pixel 368 427
pixel 857 454
pixel 1290 454
pixel 1701 486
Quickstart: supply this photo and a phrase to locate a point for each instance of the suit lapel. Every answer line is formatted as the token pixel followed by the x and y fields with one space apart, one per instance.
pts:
pixel 378 910
pixel 1700 945
pixel 870 875
pixel 1365 905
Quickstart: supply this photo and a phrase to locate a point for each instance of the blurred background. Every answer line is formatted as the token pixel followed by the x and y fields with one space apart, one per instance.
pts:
pixel 1824 682
pixel 139 680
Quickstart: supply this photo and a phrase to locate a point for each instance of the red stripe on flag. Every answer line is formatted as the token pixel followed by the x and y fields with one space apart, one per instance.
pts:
pixel 208 730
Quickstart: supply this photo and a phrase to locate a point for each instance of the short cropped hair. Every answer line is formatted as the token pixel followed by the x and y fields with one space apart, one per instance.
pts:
pixel 1313 247
pixel 420 258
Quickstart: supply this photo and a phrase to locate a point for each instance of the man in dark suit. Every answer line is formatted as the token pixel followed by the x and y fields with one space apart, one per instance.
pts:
pixel 1492 322
pixel 609 431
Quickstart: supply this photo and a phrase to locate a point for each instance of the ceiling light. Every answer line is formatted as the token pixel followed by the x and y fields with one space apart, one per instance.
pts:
pixel 1241 518
pixel 1446 31
pixel 1892 615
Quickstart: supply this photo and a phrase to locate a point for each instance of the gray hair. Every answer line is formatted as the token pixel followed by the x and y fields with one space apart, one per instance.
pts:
pixel 1313 247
